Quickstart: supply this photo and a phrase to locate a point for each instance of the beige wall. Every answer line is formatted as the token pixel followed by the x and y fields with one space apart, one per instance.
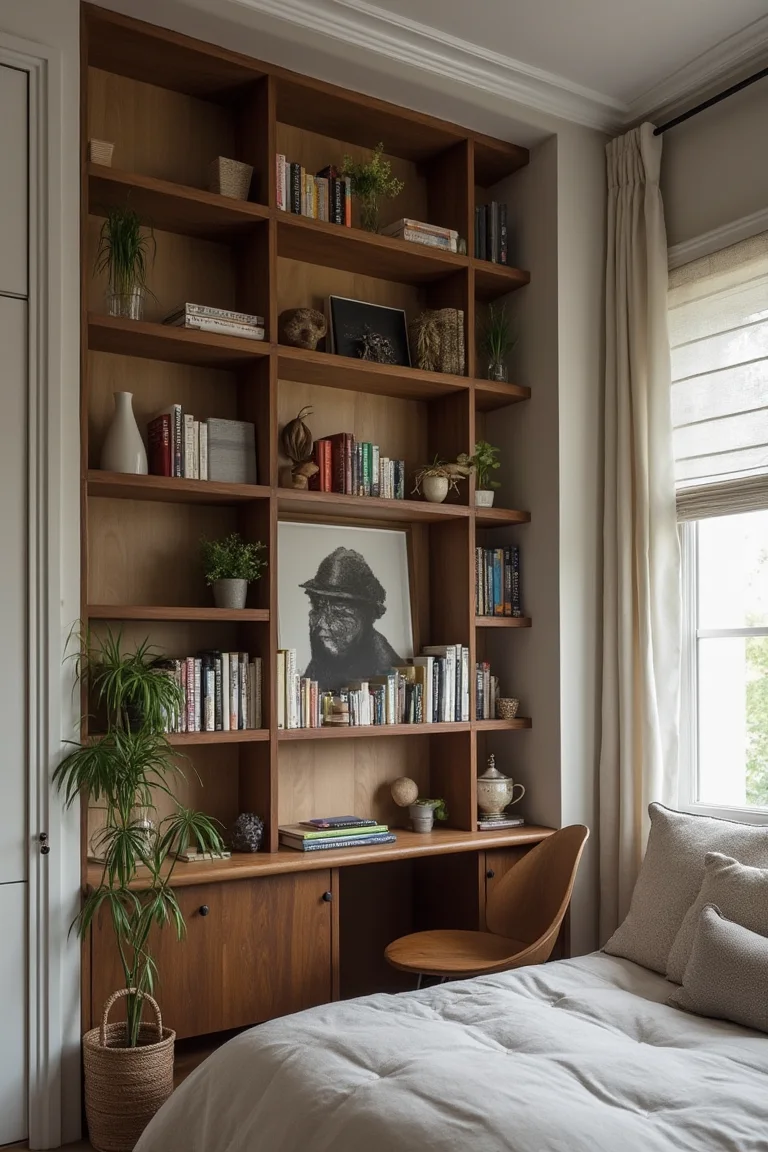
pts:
pixel 715 166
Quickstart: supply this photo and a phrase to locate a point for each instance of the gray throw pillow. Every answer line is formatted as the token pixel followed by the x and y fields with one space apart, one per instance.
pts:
pixel 741 894
pixel 671 876
pixel 727 974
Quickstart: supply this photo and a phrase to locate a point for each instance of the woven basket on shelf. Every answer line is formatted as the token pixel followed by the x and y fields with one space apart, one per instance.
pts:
pixel 230 178
pixel 100 152
pixel 506 708
pixel 124 1087
pixel 437 340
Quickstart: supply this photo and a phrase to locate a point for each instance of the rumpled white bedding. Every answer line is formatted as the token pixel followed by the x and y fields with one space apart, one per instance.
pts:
pixel 577 1056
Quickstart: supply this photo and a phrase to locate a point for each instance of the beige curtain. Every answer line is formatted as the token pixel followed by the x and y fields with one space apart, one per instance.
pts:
pixel 641 564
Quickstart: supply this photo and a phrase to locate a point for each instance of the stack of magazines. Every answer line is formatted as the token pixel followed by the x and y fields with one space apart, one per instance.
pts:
pixel 217 320
pixel 328 832
pixel 420 233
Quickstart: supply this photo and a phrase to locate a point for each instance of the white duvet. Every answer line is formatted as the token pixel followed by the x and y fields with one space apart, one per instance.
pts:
pixel 578 1056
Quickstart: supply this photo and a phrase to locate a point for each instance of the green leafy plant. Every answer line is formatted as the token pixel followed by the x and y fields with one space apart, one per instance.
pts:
pixel 451 472
pixel 120 773
pixel 484 460
pixel 497 339
pixel 372 181
pixel 233 559
pixel 125 251
pixel 438 806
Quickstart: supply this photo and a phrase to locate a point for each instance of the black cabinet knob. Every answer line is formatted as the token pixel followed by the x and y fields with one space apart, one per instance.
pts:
pixel 204 909
pixel 490 874
pixel 44 845
pixel 327 896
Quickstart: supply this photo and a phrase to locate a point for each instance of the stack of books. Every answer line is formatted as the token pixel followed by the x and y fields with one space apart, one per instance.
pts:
pixel 497 581
pixel 334 832
pixel 221 691
pixel 491 236
pixel 486 692
pixel 420 233
pixel 221 320
pixel 356 468
pixel 325 196
pixel 180 445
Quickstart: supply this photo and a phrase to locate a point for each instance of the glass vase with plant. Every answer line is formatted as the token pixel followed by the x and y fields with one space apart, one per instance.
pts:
pixel 230 565
pixel 497 342
pixel 120 774
pixel 372 181
pixel 125 253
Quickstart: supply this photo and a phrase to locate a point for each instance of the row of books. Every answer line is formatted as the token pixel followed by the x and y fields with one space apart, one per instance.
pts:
pixel 433 688
pixel 334 832
pixel 497 581
pixel 356 468
pixel 486 691
pixel 491 234
pixel 180 445
pixel 324 196
pixel 417 232
pixel 225 322
pixel 221 691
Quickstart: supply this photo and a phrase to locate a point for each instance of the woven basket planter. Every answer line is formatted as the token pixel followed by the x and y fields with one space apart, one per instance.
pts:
pixel 506 708
pixel 124 1087
pixel 100 152
pixel 437 340
pixel 230 178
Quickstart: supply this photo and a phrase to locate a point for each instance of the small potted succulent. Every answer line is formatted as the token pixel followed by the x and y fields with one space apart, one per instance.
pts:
pixel 372 181
pixel 497 342
pixel 423 814
pixel 437 479
pixel 125 253
pixel 484 461
pixel 230 566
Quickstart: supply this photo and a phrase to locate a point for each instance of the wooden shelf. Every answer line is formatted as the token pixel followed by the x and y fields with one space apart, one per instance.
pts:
pixel 169 615
pixel 441 841
pixel 242 736
pixel 517 725
pixel 502 622
pixel 490 395
pixel 151 341
pixel 171 490
pixel 335 507
pixel 494 280
pixel 331 371
pixel 498 517
pixel 172 207
pixel 366 731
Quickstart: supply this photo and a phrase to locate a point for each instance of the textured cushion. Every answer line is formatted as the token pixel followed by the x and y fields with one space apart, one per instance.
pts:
pixel 671 876
pixel 727 974
pixel 741 894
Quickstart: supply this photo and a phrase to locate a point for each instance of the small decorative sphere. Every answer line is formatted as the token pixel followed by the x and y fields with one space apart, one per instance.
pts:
pixel 247 832
pixel 405 791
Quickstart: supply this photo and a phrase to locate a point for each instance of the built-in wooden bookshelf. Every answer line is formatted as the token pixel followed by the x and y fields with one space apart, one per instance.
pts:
pixel 171 105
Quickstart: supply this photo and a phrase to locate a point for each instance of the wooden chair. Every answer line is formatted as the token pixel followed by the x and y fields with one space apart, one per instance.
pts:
pixel 524 913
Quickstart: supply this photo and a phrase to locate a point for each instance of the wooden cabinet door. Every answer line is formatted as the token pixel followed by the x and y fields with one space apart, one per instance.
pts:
pixel 253 949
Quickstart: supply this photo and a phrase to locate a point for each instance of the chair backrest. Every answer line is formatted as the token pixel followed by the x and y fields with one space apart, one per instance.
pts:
pixel 530 901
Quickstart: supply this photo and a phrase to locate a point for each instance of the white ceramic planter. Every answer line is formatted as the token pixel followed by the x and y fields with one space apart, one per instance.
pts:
pixel 123 449
pixel 435 488
pixel 484 497
pixel 230 593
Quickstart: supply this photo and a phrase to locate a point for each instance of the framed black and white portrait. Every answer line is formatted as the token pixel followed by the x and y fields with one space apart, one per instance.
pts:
pixel 344 602
pixel 368 331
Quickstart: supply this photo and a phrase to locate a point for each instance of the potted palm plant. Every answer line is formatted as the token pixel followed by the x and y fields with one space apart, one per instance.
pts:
pixel 124 253
pixel 497 342
pixel 129 1066
pixel 230 566
pixel 372 181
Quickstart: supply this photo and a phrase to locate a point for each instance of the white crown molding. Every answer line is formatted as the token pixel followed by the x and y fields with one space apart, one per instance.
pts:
pixel 359 24
pixel 718 66
pixel 718 238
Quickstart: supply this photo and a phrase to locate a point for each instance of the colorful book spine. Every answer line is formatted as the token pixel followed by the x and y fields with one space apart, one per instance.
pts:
pixel 234 691
pixel 280 180
pixel 160 454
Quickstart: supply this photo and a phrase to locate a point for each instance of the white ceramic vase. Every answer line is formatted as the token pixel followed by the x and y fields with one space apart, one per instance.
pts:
pixel 484 497
pixel 435 488
pixel 123 449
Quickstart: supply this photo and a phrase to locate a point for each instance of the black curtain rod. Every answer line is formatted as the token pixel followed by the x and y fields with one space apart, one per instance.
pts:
pixel 712 100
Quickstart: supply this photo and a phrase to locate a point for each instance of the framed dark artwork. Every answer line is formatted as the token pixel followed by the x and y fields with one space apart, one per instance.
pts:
pixel 368 331
pixel 344 601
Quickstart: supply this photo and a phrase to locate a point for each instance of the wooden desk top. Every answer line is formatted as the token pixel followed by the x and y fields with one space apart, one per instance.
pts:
pixel 441 841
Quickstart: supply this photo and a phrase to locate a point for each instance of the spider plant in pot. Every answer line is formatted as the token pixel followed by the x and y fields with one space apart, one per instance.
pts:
pixel 230 566
pixel 121 773
pixel 497 342
pixel 423 814
pixel 125 253
pixel 372 181
pixel 437 479
pixel 484 461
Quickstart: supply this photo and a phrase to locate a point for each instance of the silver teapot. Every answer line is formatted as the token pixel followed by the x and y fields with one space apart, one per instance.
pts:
pixel 495 791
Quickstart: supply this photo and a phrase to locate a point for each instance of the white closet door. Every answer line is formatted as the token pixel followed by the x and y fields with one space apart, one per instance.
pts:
pixel 14 197
pixel 13 1034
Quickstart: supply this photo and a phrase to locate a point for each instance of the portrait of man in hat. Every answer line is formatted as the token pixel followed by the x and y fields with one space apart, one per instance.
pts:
pixel 345 601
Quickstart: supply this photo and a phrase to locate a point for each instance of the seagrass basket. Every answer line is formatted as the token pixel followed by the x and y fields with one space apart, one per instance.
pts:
pixel 230 178
pixel 124 1087
pixel 437 340
pixel 506 708
pixel 100 152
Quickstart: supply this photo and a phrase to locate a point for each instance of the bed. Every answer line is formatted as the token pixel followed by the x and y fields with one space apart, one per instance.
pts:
pixel 577 1056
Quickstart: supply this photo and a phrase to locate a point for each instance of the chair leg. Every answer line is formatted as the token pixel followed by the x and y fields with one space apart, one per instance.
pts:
pixel 419 980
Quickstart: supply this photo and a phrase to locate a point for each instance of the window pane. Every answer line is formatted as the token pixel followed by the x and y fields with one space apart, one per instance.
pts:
pixel 733 721
pixel 733 571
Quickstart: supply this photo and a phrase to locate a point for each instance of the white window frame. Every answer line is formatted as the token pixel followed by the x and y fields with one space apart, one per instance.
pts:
pixel 689 687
